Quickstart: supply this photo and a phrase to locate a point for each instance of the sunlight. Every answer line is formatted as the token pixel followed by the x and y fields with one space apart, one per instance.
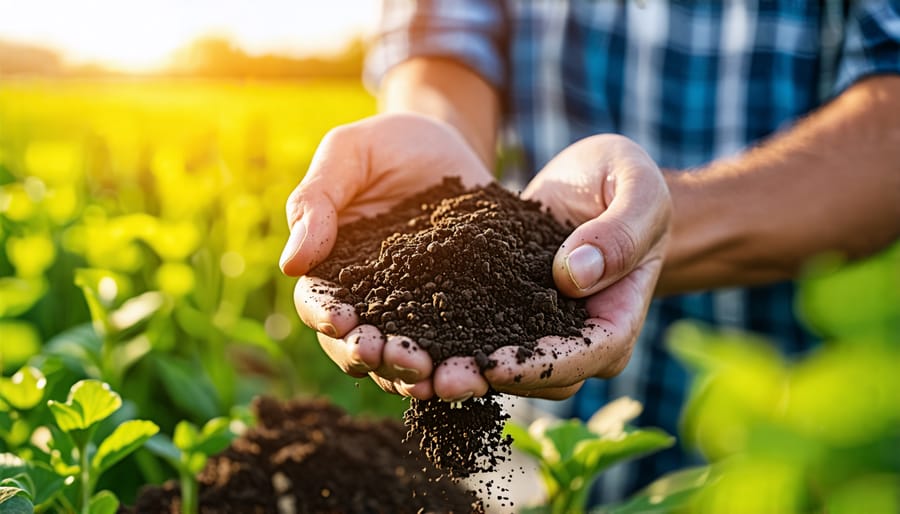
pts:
pixel 142 34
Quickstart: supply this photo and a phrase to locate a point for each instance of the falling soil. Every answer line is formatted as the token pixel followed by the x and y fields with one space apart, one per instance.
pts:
pixel 462 273
pixel 311 457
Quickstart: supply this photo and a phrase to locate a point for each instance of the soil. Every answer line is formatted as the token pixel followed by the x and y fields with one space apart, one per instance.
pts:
pixel 462 273
pixel 311 457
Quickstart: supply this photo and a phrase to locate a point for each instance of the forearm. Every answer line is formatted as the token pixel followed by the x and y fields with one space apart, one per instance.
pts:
pixel 447 91
pixel 831 183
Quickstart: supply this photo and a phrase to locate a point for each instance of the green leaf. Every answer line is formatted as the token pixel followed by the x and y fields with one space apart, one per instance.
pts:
pixel 185 436
pixel 12 502
pixel 126 438
pixel 852 301
pixel 16 485
pixel 19 341
pixel 25 389
pixel 17 295
pixel 104 502
pixel 670 493
pixel 253 332
pixel 67 418
pixel 522 440
pixel 47 483
pixel 215 436
pixel 102 289
pixel 78 348
pixel 187 388
pixel 566 436
pixel 596 455
pixel 89 402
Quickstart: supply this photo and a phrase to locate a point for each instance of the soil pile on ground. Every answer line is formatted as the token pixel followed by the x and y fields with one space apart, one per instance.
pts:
pixel 462 273
pixel 311 457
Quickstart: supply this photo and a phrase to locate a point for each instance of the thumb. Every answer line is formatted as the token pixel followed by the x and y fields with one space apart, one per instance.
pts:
pixel 313 223
pixel 312 208
pixel 604 249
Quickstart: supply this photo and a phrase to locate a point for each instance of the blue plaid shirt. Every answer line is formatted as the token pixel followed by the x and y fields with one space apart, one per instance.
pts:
pixel 690 81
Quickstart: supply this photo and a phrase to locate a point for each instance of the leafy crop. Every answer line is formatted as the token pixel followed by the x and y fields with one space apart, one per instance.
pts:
pixel 62 469
pixel 570 453
pixel 140 226
pixel 188 452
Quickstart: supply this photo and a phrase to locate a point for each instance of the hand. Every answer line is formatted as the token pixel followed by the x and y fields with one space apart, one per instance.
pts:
pixel 614 192
pixel 358 170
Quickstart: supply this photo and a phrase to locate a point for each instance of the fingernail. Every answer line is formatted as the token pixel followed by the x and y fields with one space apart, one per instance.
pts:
pixel 402 387
pixel 298 234
pixel 327 329
pixel 459 399
pixel 585 266
pixel 412 374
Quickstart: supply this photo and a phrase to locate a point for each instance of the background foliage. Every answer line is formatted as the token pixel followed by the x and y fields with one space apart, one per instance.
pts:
pixel 140 227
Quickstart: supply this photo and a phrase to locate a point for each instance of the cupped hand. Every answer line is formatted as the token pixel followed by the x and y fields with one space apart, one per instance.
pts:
pixel 614 193
pixel 359 170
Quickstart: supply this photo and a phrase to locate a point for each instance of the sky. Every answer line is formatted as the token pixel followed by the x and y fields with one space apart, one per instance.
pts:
pixel 140 34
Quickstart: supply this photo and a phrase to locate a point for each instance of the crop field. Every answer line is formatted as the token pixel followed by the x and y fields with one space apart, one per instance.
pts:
pixel 158 208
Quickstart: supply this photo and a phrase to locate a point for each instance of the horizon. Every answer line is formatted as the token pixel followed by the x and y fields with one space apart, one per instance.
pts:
pixel 142 36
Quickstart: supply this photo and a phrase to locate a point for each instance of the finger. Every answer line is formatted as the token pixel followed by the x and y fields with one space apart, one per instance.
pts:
pixel 602 250
pixel 402 359
pixel 358 353
pixel 558 362
pixel 420 390
pixel 332 180
pixel 458 379
pixel 315 301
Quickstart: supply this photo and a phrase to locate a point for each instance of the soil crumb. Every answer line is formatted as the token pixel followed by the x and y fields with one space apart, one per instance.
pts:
pixel 311 457
pixel 462 273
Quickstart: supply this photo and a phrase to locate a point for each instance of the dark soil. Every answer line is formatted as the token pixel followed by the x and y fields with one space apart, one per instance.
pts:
pixel 462 273
pixel 311 457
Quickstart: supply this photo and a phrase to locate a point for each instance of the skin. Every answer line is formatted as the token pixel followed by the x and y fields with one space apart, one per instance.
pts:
pixel 614 193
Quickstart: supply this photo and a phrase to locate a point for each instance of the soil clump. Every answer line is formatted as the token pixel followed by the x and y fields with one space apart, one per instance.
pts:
pixel 311 457
pixel 462 273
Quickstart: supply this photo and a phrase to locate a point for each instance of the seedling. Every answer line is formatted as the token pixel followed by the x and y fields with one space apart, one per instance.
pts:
pixel 571 453
pixel 90 402
pixel 188 452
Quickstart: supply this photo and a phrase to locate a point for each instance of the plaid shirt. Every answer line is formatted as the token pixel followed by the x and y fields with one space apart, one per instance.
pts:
pixel 690 81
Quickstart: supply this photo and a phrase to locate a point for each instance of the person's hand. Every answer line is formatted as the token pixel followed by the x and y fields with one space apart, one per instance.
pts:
pixel 358 170
pixel 615 194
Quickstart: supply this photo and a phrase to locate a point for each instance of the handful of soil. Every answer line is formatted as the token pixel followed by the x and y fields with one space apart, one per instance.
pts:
pixel 307 456
pixel 462 273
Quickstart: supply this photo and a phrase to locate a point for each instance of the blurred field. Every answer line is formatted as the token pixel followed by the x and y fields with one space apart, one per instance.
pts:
pixel 175 188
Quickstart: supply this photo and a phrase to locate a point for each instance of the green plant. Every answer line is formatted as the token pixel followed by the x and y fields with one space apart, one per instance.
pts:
pixel 188 451
pixel 571 453
pixel 89 403
pixel 816 434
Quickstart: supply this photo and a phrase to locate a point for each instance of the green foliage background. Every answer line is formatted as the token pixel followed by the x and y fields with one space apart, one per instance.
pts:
pixel 140 227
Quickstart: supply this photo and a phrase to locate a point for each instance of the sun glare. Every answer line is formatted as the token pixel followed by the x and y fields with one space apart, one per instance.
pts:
pixel 142 34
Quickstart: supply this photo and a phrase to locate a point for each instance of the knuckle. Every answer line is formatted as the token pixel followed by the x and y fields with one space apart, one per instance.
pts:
pixel 623 251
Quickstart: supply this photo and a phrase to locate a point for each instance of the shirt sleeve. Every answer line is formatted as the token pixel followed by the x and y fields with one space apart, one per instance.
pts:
pixel 871 42
pixel 470 32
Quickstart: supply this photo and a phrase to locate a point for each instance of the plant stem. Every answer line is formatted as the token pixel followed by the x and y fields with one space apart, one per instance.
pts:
pixel 85 480
pixel 188 493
